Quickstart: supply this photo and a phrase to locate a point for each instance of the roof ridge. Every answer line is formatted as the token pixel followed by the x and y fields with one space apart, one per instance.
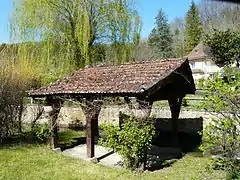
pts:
pixel 133 62
pixel 201 50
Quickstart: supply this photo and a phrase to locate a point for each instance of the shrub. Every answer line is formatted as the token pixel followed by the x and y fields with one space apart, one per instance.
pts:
pixel 42 133
pixel 131 141
pixel 15 79
pixel 231 165
pixel 222 135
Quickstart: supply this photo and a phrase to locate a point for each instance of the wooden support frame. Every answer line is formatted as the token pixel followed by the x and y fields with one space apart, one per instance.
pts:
pixel 175 81
pixel 53 124
pixel 91 109
pixel 146 108
pixel 175 106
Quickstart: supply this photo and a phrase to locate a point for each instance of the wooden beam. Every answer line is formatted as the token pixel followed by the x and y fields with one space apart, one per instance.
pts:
pixel 90 136
pixel 175 106
pixel 55 109
pixel 91 109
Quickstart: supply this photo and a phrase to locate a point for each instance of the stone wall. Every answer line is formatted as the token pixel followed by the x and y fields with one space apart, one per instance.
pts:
pixel 110 114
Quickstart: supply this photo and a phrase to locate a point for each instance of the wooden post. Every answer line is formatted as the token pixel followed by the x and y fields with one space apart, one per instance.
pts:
pixel 128 101
pixel 121 118
pixel 175 106
pixel 53 112
pixel 91 110
pixel 90 136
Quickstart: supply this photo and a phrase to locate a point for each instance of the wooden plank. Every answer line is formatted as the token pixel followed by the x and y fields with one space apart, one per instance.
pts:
pixel 56 106
pixel 90 136
pixel 54 127
pixel 91 109
pixel 175 106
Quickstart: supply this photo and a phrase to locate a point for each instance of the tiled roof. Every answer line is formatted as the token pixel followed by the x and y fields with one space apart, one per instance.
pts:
pixel 201 51
pixel 125 78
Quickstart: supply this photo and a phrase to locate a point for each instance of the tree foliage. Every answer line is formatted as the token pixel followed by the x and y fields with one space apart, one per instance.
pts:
pixel 160 38
pixel 131 141
pixel 193 29
pixel 222 135
pixel 225 47
pixel 15 79
pixel 63 35
pixel 219 15
pixel 178 29
pixel 143 52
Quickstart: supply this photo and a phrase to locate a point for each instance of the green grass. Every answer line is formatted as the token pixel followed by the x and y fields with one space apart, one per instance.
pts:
pixel 39 162
pixel 68 136
pixel 162 103
pixel 193 103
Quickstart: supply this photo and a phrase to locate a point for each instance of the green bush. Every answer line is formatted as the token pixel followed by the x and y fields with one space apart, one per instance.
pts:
pixel 131 141
pixel 232 166
pixel 15 79
pixel 222 135
pixel 42 133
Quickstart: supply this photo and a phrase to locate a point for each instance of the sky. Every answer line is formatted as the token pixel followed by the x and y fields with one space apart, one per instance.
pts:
pixel 147 9
pixel 5 13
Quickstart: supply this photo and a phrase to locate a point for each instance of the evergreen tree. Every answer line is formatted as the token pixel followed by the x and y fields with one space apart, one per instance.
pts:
pixel 160 38
pixel 193 29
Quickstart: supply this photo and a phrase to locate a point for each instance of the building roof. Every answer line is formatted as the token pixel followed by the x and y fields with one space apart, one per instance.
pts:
pixel 200 52
pixel 115 79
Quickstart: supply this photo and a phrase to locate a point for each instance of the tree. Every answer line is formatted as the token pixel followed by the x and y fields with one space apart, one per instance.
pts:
pixel 178 29
pixel 161 38
pixel 64 35
pixel 222 135
pixel 225 47
pixel 143 52
pixel 15 79
pixel 193 29
pixel 219 15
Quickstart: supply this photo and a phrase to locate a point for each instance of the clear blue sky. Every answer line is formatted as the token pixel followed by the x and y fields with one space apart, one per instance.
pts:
pixel 147 9
pixel 5 14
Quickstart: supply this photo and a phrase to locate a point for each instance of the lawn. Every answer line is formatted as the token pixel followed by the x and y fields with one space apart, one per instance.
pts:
pixel 39 162
pixel 190 102
pixel 68 137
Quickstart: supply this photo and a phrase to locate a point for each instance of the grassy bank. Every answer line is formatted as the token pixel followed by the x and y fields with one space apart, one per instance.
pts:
pixel 39 162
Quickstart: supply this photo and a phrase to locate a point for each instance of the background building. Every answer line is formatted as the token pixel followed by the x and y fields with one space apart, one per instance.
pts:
pixel 201 62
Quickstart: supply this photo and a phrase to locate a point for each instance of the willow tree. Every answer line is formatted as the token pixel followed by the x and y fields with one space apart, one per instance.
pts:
pixel 60 36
